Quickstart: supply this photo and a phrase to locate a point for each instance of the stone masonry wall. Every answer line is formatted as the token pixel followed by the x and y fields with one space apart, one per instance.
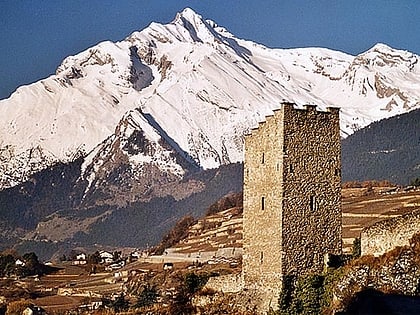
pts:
pixel 311 188
pixel 263 167
pixel 385 235
pixel 292 182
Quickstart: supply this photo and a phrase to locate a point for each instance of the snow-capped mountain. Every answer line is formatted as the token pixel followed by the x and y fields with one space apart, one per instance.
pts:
pixel 182 95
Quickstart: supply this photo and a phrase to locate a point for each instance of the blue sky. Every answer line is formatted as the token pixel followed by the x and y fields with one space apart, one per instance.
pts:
pixel 36 36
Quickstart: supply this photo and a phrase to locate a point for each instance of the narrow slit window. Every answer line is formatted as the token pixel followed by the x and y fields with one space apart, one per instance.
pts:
pixel 291 169
pixel 262 158
pixel 261 257
pixel 262 203
pixel 312 203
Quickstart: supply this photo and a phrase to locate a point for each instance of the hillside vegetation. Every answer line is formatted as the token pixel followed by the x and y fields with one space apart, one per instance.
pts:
pixel 385 150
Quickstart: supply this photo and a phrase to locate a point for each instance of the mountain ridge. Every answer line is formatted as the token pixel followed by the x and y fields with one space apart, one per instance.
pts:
pixel 54 212
pixel 388 149
pixel 201 85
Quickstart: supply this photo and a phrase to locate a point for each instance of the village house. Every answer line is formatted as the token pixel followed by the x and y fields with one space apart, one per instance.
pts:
pixel 106 257
pixel 34 310
pixel 80 259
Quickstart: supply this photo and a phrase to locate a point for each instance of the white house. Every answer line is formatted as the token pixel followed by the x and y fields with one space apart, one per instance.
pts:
pixel 33 310
pixel 81 256
pixel 80 259
pixel 106 257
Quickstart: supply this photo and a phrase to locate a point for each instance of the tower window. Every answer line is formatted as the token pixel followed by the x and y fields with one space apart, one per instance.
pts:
pixel 261 257
pixel 312 203
pixel 262 159
pixel 262 203
pixel 291 169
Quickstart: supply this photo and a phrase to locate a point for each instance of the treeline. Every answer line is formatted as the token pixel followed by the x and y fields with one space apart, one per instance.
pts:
pixel 176 234
pixel 232 200
pixel 139 224
pixel 28 203
pixel 143 224
pixel 12 264
pixel 181 228
pixel 368 184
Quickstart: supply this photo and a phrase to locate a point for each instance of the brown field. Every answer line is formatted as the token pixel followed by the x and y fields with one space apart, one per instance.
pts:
pixel 360 210
pixel 59 303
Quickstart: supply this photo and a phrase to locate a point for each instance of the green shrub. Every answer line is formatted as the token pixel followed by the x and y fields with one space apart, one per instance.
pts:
pixel 119 304
pixel 309 292
pixel 357 248
pixel 332 276
pixel 286 294
pixel 194 282
pixel 147 297
pixel 301 295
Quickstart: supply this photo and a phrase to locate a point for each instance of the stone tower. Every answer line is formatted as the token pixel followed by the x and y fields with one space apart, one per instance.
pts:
pixel 292 189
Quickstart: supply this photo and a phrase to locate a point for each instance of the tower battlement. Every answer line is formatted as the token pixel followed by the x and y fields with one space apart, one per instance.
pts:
pixel 329 110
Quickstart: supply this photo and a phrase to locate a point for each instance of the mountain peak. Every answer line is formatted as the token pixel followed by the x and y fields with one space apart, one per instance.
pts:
pixel 189 14
pixel 382 55
pixel 199 88
pixel 380 47
pixel 199 29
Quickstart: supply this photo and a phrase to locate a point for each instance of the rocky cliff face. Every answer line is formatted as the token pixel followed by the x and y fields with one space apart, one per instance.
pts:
pixel 138 162
pixel 386 235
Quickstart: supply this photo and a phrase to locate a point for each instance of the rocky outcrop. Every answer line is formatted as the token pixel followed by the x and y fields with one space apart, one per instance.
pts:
pixel 230 283
pixel 137 162
pixel 397 271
